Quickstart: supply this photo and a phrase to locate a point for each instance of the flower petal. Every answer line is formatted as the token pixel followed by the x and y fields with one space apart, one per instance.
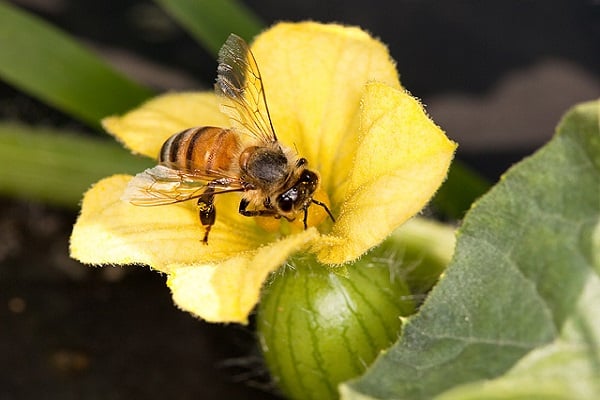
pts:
pixel 402 159
pixel 314 76
pixel 228 291
pixel 146 128
pixel 111 231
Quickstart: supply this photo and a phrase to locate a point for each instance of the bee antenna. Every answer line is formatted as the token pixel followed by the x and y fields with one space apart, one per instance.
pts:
pixel 319 203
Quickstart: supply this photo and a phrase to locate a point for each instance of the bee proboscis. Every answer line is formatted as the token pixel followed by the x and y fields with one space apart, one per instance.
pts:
pixel 202 162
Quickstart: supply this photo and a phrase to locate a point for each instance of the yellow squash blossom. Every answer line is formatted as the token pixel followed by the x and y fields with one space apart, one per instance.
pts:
pixel 335 97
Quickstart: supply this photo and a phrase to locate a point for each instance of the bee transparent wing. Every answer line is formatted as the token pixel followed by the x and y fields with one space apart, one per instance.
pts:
pixel 161 185
pixel 240 83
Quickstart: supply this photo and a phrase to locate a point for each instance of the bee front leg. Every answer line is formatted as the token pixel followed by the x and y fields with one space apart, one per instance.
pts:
pixel 207 211
pixel 243 209
pixel 305 218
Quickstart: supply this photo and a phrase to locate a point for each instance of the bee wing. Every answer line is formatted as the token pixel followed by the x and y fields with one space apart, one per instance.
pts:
pixel 240 83
pixel 161 185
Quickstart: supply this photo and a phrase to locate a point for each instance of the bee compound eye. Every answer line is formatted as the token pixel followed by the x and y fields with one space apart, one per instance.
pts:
pixel 286 200
pixel 308 176
pixel 285 203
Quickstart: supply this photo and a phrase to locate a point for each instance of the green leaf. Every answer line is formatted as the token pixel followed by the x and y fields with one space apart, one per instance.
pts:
pixel 424 247
pixel 211 22
pixel 58 167
pixel 46 63
pixel 568 368
pixel 521 280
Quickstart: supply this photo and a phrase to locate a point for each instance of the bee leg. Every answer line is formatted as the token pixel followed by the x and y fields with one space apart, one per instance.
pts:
pixel 255 213
pixel 305 219
pixel 207 211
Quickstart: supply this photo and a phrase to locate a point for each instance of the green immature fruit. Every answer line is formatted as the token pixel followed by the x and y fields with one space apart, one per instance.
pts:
pixel 318 328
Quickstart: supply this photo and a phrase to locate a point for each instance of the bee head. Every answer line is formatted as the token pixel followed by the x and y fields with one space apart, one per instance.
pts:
pixel 299 196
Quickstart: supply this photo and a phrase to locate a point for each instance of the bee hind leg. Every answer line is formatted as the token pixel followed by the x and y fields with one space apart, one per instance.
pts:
pixel 207 211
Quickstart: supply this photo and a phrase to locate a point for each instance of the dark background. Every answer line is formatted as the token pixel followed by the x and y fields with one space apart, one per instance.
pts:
pixel 497 76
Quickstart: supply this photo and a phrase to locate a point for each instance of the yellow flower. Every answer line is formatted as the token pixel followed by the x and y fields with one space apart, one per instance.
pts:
pixel 334 96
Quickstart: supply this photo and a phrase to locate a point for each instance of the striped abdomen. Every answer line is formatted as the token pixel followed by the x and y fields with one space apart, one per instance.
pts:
pixel 202 150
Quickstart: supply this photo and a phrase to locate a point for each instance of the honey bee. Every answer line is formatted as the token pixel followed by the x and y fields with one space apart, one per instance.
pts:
pixel 202 162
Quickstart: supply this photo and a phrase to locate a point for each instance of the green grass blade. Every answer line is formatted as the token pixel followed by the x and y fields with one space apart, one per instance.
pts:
pixel 460 190
pixel 46 63
pixel 58 167
pixel 211 22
